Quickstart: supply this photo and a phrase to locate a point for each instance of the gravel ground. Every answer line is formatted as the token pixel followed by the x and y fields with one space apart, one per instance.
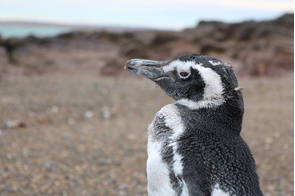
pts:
pixel 84 135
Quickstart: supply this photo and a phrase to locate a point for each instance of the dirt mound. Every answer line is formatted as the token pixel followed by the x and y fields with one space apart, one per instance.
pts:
pixel 254 48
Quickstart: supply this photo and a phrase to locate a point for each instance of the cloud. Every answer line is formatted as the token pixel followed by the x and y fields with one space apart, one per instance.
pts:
pixel 278 5
pixel 135 5
pixel 248 4
pixel 174 14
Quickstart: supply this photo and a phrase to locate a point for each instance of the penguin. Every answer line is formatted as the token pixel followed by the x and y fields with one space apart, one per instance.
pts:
pixel 194 145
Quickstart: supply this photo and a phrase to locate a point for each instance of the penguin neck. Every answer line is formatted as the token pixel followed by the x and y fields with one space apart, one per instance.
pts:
pixel 223 118
pixel 203 103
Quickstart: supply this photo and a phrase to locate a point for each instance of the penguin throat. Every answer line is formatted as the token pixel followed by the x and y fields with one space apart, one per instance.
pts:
pixel 203 103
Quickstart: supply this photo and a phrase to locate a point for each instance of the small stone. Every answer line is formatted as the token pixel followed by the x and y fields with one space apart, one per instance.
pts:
pixel 78 168
pixel 286 146
pixel 9 156
pixel 12 123
pixel 72 184
pixel 268 140
pixel 105 112
pixel 277 134
pixel 47 165
pixel 54 109
pixel 124 186
pixel 26 167
pixel 71 121
pixel 88 114
pixel 31 114
pixel 22 125
pixel 131 136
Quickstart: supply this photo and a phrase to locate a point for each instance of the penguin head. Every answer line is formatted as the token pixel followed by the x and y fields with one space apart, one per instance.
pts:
pixel 193 80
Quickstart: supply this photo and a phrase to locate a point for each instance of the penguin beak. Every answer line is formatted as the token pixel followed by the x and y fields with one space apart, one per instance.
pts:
pixel 150 69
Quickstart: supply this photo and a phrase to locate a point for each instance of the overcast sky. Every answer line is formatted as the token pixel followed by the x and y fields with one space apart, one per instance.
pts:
pixel 162 14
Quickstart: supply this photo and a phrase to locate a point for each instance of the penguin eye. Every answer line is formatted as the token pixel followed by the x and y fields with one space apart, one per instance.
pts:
pixel 184 75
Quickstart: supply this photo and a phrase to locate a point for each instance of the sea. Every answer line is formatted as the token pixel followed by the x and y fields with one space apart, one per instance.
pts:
pixel 21 31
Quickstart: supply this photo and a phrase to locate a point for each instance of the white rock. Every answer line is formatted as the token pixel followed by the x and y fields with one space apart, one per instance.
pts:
pixel 106 112
pixel 88 114
pixel 54 109
pixel 12 123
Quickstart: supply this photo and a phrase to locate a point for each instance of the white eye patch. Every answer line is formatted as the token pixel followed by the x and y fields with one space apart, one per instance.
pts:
pixel 213 84
pixel 179 66
pixel 183 68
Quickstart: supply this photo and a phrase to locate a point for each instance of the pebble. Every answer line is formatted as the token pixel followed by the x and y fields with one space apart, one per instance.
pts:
pixel 71 121
pixel 47 165
pixel 268 140
pixel 54 109
pixel 88 114
pixel 26 167
pixel 124 186
pixel 106 112
pixel 12 123
pixel 277 134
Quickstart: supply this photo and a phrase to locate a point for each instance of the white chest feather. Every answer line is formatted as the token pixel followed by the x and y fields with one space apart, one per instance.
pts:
pixel 157 170
pixel 218 192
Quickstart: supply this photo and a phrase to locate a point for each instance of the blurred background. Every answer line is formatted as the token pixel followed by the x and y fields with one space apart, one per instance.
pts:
pixel 73 121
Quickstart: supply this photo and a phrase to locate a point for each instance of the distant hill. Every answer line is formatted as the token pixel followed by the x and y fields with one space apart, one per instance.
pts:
pixel 254 48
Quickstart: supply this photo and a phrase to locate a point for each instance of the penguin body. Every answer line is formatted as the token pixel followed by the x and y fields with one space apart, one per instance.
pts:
pixel 194 145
